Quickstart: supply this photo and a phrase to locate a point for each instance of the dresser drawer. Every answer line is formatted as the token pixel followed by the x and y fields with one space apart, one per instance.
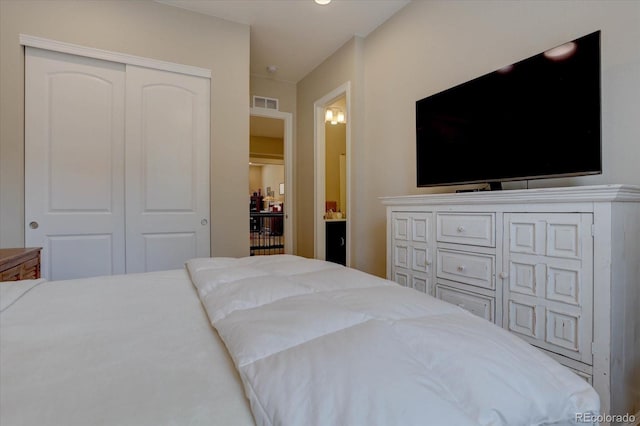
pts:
pixel 469 268
pixel 482 306
pixel 467 228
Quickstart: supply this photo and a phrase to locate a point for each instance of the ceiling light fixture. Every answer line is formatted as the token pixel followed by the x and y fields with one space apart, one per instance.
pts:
pixel 334 116
pixel 322 2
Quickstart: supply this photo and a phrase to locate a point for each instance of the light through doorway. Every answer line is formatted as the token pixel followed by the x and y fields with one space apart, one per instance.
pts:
pixel 270 194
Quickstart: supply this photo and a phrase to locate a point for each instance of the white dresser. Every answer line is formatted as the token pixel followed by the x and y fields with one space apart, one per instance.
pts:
pixel 559 267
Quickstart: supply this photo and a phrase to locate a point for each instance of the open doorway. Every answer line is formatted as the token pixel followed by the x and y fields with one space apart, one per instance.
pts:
pixel 270 192
pixel 332 175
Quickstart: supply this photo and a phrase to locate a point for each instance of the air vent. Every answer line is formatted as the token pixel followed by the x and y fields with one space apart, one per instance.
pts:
pixel 268 103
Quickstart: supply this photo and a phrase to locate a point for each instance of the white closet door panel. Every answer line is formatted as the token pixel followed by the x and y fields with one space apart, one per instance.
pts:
pixel 167 169
pixel 168 250
pixel 74 167
pixel 68 259
pixel 168 149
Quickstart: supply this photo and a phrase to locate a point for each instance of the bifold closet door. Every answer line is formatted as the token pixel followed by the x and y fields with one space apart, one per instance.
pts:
pixel 167 169
pixel 74 163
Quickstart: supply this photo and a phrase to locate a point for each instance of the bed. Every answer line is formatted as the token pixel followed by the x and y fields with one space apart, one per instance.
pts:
pixel 294 341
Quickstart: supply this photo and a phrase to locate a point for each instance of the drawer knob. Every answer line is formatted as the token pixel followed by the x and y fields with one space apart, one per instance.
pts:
pixel 461 268
pixel 460 228
pixel 503 275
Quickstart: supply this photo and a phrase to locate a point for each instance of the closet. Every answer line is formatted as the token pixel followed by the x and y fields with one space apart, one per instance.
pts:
pixel 116 165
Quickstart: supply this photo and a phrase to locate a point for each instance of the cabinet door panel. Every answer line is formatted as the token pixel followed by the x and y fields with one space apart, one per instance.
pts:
pixel 420 283
pixel 548 296
pixel 524 318
pixel 402 278
pixel 527 235
pixel 563 328
pixel 411 252
pixel 420 258
pixel 564 235
pixel 401 255
pixel 400 224
pixel 420 228
pixel 524 277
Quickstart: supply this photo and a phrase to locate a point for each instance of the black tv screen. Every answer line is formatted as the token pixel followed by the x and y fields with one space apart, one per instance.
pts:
pixel 536 118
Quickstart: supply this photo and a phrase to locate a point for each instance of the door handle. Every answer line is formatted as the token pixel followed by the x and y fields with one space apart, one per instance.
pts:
pixel 342 242
pixel 33 225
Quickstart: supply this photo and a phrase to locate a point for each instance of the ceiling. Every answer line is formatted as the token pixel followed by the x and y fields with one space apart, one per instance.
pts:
pixel 296 35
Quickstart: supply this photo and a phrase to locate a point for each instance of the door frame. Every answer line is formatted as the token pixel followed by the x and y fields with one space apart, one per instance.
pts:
pixel 319 172
pixel 289 214
pixel 111 56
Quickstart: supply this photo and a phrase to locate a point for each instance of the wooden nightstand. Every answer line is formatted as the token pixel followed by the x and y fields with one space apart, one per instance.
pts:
pixel 19 264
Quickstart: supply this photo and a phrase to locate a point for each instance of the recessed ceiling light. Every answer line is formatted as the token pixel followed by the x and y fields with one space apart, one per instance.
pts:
pixel 323 2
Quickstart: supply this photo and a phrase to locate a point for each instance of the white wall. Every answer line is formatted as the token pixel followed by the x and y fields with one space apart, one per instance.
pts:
pixel 148 29
pixel 430 46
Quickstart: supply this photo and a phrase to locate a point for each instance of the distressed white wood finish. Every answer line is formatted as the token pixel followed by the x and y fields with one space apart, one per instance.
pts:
pixel 74 168
pixel 549 286
pixel 566 278
pixel 473 229
pixel 477 304
pixel 471 268
pixel 167 169
pixel 412 246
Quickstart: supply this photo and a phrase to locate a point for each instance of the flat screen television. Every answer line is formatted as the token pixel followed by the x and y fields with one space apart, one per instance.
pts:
pixel 537 118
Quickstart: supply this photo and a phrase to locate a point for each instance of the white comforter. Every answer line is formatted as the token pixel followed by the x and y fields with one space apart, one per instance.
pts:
pixel 127 350
pixel 319 344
